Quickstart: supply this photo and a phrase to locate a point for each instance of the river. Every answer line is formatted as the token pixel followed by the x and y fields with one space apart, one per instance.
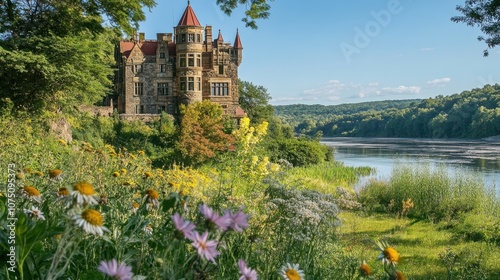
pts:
pixel 477 156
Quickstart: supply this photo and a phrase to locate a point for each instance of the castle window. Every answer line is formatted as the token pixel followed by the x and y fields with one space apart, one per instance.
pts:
pixel 161 109
pixel 190 60
pixel 163 68
pixel 191 83
pixel 190 37
pixel 137 68
pixel 183 37
pixel 138 89
pixel 139 109
pixel 182 84
pixel 220 89
pixel 199 83
pixel 221 69
pixel 198 38
pixel 182 60
pixel 162 88
pixel 198 60
pixel 162 55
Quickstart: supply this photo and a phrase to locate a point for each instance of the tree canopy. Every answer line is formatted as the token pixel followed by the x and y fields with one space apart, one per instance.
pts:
pixel 486 15
pixel 254 100
pixel 254 9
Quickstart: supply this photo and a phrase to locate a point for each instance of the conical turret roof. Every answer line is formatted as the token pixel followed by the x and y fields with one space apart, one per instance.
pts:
pixel 237 41
pixel 189 17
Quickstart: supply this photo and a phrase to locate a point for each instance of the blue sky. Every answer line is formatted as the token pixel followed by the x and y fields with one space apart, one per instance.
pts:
pixel 348 51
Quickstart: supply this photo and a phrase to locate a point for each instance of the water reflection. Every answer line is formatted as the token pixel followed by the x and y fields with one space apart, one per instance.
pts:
pixel 382 153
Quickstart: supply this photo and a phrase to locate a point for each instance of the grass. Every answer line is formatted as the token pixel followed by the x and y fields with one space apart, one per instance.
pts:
pixel 419 244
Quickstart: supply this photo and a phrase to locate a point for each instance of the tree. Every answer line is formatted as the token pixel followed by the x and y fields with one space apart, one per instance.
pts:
pixel 254 101
pixel 55 54
pixel 201 133
pixel 486 15
pixel 255 9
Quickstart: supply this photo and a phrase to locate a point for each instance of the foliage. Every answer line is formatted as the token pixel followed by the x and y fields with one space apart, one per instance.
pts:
pixel 254 101
pixel 486 15
pixel 201 132
pixel 435 193
pixel 470 114
pixel 255 9
pixel 299 151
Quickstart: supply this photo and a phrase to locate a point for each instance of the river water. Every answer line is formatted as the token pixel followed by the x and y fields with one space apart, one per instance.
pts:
pixel 481 157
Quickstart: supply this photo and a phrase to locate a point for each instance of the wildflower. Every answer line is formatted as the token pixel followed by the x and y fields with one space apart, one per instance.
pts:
pixel 148 175
pixel 238 221
pixel 116 174
pixel 206 249
pixel 19 175
pixel 83 192
pixel 140 152
pixel 152 197
pixel 148 229
pixel 365 269
pixel 388 254
pixel 292 272
pixel 62 192
pixel 246 272
pixel 62 142
pixel 212 217
pixel 186 227
pixel 91 221
pixel 135 206
pixel 397 275
pixel 115 271
pixel 31 193
pixel 38 173
pixel 55 174
pixel 35 213
pixel 123 171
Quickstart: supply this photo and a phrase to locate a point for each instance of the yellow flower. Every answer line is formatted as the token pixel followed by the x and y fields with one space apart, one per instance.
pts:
pixel 152 194
pixel 365 269
pixel 38 173
pixel 32 193
pixel 140 152
pixel 84 193
pixel 62 142
pixel 116 174
pixel 292 272
pixel 62 192
pixel 124 171
pixel 55 173
pixel 387 253
pixel 91 221
pixel 148 174
pixel 152 198
pixel 19 175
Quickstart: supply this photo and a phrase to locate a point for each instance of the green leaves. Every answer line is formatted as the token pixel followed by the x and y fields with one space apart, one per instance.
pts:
pixel 255 9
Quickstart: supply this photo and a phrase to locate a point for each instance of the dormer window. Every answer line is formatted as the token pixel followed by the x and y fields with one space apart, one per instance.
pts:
pixel 137 68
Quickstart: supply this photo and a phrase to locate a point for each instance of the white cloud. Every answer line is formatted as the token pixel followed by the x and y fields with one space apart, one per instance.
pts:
pixel 439 82
pixel 402 89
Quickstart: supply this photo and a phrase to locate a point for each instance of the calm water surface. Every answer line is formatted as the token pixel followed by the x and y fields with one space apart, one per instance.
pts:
pixel 479 156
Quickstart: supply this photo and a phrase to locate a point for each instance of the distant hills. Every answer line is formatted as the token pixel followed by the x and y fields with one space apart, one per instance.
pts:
pixel 470 114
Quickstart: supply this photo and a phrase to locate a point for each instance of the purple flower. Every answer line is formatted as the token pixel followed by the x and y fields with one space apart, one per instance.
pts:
pixel 239 220
pixel 246 272
pixel 206 249
pixel 221 222
pixel 186 227
pixel 115 271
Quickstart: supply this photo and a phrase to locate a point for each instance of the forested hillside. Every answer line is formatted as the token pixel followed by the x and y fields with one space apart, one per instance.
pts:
pixel 470 114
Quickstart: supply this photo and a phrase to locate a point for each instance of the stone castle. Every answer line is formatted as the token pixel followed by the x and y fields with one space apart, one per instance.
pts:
pixel 156 76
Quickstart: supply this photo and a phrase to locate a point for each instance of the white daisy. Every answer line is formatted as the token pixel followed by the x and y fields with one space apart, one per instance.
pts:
pixel 35 213
pixel 83 192
pixel 91 221
pixel 32 193
pixel 292 272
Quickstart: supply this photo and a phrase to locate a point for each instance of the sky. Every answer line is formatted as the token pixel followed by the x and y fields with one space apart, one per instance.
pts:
pixel 348 51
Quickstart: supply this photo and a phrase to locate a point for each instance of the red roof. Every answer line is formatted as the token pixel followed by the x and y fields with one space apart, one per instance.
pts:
pixel 147 47
pixel 189 18
pixel 219 38
pixel 237 41
pixel 240 112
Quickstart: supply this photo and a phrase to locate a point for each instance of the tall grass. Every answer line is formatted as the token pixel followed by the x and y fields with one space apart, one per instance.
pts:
pixel 437 192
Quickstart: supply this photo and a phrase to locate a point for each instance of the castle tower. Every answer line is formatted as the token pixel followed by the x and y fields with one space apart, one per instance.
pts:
pixel 237 49
pixel 189 48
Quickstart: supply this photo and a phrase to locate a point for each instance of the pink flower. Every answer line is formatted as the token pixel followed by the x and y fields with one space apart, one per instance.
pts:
pixel 246 272
pixel 206 249
pixel 221 222
pixel 239 220
pixel 186 227
pixel 115 271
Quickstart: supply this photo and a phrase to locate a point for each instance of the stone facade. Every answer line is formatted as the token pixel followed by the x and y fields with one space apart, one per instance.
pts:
pixel 187 66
